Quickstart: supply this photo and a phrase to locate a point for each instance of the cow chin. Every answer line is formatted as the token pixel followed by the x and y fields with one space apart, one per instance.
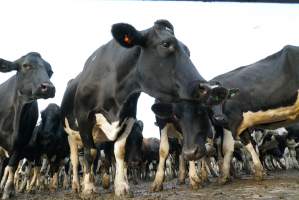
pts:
pixel 40 95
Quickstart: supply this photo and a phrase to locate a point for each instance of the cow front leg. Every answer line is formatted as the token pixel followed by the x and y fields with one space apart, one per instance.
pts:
pixel 258 167
pixel 163 154
pixel 259 171
pixel 4 178
pixel 121 184
pixel 88 180
pixel 195 181
pixel 228 150
pixel 34 180
pixel 204 170
pixel 9 189
pixel 75 163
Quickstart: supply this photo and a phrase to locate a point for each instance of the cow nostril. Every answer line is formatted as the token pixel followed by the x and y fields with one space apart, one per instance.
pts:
pixel 44 87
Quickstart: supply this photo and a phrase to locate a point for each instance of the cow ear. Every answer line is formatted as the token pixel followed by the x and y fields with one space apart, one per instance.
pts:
pixel 233 92
pixel 162 110
pixel 126 35
pixel 7 66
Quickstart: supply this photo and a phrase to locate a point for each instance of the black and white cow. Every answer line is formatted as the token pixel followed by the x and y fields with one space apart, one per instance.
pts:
pixel 189 122
pixel 268 97
pixel 18 108
pixel 153 61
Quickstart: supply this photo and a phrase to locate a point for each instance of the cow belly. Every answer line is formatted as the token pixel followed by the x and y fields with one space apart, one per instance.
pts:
pixel 281 115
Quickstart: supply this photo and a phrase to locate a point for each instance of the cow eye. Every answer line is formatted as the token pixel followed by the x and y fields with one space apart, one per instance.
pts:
pixel 165 44
pixel 27 66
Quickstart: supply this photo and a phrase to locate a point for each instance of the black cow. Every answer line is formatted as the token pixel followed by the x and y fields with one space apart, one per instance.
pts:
pixel 268 97
pixel 153 61
pixel 18 107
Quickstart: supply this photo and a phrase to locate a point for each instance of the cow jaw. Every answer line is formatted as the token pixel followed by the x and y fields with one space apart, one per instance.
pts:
pixel 287 113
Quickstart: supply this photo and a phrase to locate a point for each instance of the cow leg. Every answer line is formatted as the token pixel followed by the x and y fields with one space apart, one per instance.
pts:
pixel 121 185
pixel 65 184
pixel 4 178
pixel 256 161
pixel 24 182
pixel 195 181
pixel 228 150
pixel 43 172
pixel 75 163
pixel 9 190
pixel 211 168
pixel 182 169
pixel 163 152
pixel 17 177
pixel 36 171
pixel 203 170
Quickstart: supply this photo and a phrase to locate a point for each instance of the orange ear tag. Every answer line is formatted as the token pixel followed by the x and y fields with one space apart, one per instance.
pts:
pixel 127 40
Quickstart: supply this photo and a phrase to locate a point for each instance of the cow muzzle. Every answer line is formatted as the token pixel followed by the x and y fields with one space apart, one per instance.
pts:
pixel 194 153
pixel 45 90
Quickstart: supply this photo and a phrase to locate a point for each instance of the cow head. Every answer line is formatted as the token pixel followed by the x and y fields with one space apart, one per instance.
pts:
pixel 51 118
pixel 133 146
pixel 33 76
pixel 164 69
pixel 193 119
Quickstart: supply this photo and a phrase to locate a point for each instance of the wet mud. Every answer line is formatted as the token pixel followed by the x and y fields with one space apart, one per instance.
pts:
pixel 276 185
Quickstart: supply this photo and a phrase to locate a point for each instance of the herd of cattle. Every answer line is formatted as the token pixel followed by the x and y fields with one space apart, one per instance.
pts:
pixel 208 128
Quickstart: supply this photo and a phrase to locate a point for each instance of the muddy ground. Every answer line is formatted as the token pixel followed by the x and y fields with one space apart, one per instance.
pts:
pixel 277 185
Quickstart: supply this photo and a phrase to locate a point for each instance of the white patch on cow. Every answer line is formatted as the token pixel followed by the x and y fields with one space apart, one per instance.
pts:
pixel 194 179
pixel 228 149
pixel 102 154
pixel 110 130
pixel 75 163
pixel 4 178
pixel 163 154
pixel 256 161
pixel 285 114
pixel 34 178
pixel 282 131
pixel 3 152
pixel 121 185
pixel 88 184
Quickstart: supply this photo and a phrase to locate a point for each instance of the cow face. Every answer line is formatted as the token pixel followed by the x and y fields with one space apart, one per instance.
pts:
pixel 194 122
pixel 133 146
pixel 51 118
pixel 164 69
pixel 33 76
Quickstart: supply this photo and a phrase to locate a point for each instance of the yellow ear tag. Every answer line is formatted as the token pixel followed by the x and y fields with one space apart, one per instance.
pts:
pixel 127 40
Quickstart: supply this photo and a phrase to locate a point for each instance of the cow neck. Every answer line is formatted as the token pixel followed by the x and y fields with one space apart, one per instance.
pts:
pixel 126 86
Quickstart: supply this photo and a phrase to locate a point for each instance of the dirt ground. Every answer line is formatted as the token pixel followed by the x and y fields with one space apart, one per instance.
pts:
pixel 277 185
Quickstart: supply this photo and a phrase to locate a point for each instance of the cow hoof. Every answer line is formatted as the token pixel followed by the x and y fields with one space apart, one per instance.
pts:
pixel 156 187
pixel 106 181
pixel 195 183
pixel 121 189
pixel 75 187
pixel 223 180
pixel 90 189
pixel 53 189
pixel 181 181
pixel 31 191
pixel 259 174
